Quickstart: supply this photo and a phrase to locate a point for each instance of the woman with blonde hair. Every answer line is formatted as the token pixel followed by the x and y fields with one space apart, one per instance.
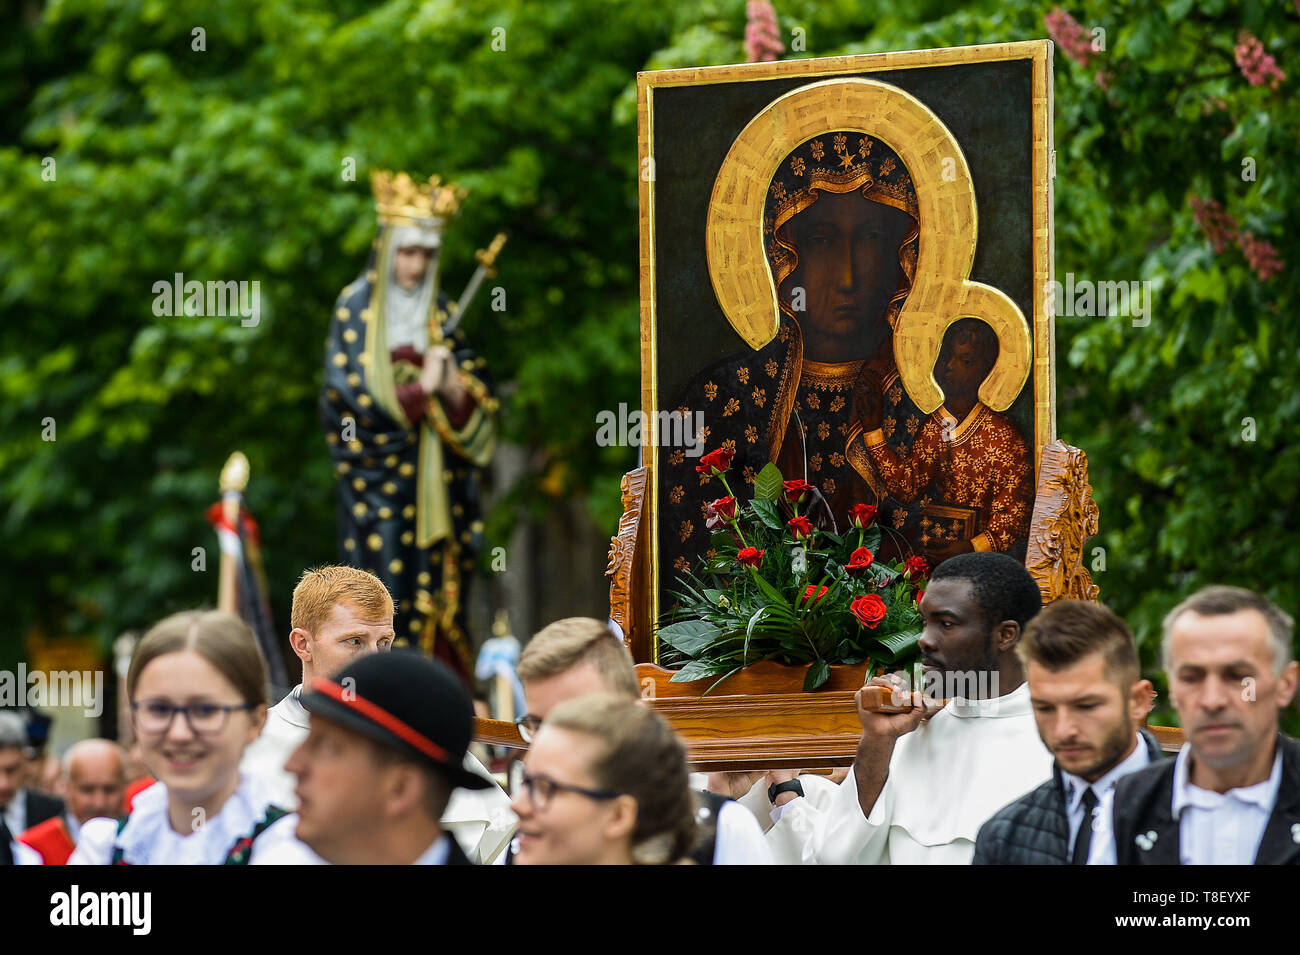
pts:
pixel 604 783
pixel 197 691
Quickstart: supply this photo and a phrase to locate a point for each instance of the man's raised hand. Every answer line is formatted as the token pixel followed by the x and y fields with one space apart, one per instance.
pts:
pixel 888 724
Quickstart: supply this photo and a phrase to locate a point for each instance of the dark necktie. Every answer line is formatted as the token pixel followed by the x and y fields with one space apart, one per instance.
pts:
pixel 1083 838
pixel 6 850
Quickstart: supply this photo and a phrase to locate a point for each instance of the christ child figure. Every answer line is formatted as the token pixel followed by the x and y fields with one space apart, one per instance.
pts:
pixel 967 459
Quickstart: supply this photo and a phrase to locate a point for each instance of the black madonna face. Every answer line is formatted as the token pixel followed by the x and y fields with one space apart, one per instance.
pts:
pixel 848 271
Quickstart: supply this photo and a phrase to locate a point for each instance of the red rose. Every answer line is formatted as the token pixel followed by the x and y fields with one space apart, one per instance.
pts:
pixel 800 526
pixel 796 491
pixel 808 597
pixel 916 568
pixel 869 609
pixel 919 595
pixel 715 462
pixel 750 556
pixel 719 512
pixel 861 515
pixel 859 561
pixel 724 506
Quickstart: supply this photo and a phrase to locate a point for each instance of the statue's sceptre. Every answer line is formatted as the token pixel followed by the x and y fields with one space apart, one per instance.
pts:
pixel 487 261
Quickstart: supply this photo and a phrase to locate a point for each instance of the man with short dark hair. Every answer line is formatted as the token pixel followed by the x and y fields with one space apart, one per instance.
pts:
pixel 20 807
pixel 1232 797
pixel 1089 701
pixel 924 781
pixel 13 738
pixel 384 752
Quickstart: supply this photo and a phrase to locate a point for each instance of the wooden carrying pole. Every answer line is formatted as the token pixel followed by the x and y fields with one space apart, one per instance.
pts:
pixel 234 479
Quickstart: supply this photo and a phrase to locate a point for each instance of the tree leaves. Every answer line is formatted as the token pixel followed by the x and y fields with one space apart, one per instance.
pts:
pixel 229 164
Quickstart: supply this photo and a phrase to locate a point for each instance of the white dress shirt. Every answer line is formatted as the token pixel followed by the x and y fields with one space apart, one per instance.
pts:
pixel 1213 828
pixel 25 854
pixel 436 854
pixel 740 839
pixel 1075 786
pixel 946 778
pixel 16 813
pixel 279 845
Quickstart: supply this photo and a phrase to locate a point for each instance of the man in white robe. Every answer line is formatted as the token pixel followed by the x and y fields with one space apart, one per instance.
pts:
pixel 922 785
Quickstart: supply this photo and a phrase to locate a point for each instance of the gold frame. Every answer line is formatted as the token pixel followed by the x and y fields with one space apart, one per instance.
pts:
pixel 1038 52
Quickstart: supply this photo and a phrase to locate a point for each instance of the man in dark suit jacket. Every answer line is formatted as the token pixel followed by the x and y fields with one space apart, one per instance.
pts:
pixel 39 806
pixel 1089 702
pixel 1232 797
pixel 22 808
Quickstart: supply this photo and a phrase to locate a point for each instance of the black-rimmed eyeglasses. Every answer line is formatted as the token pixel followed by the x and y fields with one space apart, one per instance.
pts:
pixel 154 717
pixel 541 789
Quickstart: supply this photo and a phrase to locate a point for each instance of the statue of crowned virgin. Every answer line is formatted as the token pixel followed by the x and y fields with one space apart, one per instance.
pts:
pixel 410 420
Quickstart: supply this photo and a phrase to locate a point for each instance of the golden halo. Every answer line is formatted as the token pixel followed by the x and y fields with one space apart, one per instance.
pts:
pixel 942 292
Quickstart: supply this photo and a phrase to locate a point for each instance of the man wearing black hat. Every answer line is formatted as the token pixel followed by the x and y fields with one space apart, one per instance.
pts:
pixel 385 750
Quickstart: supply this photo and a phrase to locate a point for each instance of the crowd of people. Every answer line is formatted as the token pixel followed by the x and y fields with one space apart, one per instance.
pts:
pixel 1034 753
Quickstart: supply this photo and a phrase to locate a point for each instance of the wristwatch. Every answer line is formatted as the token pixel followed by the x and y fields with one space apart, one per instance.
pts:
pixel 789 786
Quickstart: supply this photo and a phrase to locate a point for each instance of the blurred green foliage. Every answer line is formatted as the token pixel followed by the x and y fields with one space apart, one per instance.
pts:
pixel 226 163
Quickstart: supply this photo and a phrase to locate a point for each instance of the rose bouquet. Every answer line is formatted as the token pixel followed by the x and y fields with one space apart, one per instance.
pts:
pixel 772 586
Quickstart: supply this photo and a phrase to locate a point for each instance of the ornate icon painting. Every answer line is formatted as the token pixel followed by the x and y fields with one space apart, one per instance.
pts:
pixel 841 265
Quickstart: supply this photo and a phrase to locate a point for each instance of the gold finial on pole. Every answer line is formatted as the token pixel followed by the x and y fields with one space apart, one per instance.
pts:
pixel 488 257
pixel 234 475
pixel 234 478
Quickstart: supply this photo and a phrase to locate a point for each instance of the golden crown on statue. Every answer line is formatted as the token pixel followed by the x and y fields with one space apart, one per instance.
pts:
pixel 401 200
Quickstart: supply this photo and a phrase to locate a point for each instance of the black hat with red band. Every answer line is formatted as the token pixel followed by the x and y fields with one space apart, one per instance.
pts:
pixel 406 702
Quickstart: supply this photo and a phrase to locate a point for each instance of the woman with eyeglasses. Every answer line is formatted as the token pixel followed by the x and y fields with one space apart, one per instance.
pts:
pixel 197 690
pixel 604 783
